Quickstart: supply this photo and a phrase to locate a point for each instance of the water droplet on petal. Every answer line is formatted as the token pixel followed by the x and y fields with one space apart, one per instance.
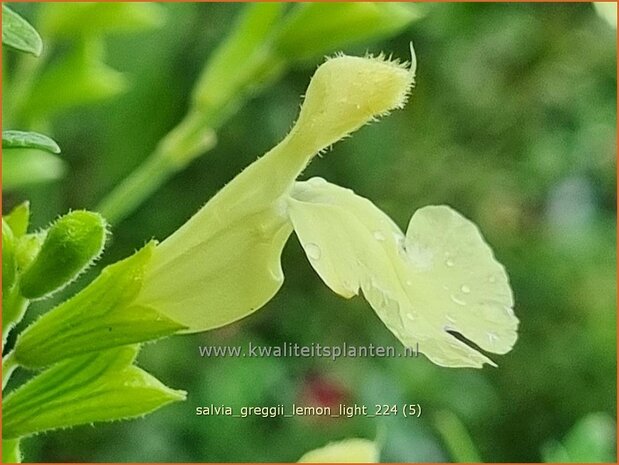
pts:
pixel 409 282
pixel 379 236
pixel 313 251
pixel 492 337
pixel 454 299
pixel 465 289
pixel 391 305
pixel 450 318
pixel 317 181
pixel 410 316
pixel 449 262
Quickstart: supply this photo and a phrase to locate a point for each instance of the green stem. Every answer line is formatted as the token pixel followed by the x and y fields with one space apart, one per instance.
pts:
pixel 191 138
pixel 9 364
pixel 194 136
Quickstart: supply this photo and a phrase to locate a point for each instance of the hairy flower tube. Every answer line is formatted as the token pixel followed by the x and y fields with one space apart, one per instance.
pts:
pixel 439 278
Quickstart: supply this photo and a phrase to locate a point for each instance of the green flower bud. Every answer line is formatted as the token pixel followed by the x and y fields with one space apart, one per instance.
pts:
pixel 72 243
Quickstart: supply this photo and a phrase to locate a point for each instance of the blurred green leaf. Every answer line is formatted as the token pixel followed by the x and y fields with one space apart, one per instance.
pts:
pixel 19 218
pixel 456 438
pixel 607 11
pixel 32 140
pixel 72 20
pixel 80 77
pixel 591 440
pixel 97 387
pixel 10 451
pixel 241 63
pixel 72 243
pixel 346 451
pixel 18 34
pixel 101 316
pixel 24 167
pixel 318 28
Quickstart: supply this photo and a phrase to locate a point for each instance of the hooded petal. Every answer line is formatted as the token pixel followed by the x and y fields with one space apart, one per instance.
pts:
pixel 440 277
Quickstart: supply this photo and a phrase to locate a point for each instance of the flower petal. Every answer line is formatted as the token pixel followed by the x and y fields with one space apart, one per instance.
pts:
pixel 439 278
pixel 224 263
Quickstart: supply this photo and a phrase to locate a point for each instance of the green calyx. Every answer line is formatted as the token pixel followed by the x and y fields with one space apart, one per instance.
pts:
pixel 101 316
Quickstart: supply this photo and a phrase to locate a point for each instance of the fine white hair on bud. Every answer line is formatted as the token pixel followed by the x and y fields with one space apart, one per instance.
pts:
pixel 347 92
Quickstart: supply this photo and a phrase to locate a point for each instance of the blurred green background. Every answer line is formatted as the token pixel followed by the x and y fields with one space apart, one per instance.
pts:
pixel 512 122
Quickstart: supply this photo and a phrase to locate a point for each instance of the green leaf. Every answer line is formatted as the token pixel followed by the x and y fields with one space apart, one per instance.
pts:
pixel 32 140
pixel 318 28
pixel 9 264
pixel 591 440
pixel 440 277
pixel 19 219
pixel 25 167
pixel 103 386
pixel 102 316
pixel 72 243
pixel 10 451
pixel 346 451
pixel 70 20
pixel 18 34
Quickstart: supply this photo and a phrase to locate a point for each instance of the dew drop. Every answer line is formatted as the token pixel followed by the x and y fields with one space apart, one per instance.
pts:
pixel 449 262
pixel 465 289
pixel 313 251
pixel 410 316
pixel 450 318
pixel 379 236
pixel 390 305
pixel 492 337
pixel 409 282
pixel 454 299
pixel 317 181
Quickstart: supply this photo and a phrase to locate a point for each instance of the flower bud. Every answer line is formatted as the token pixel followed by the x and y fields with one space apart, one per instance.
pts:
pixel 71 245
